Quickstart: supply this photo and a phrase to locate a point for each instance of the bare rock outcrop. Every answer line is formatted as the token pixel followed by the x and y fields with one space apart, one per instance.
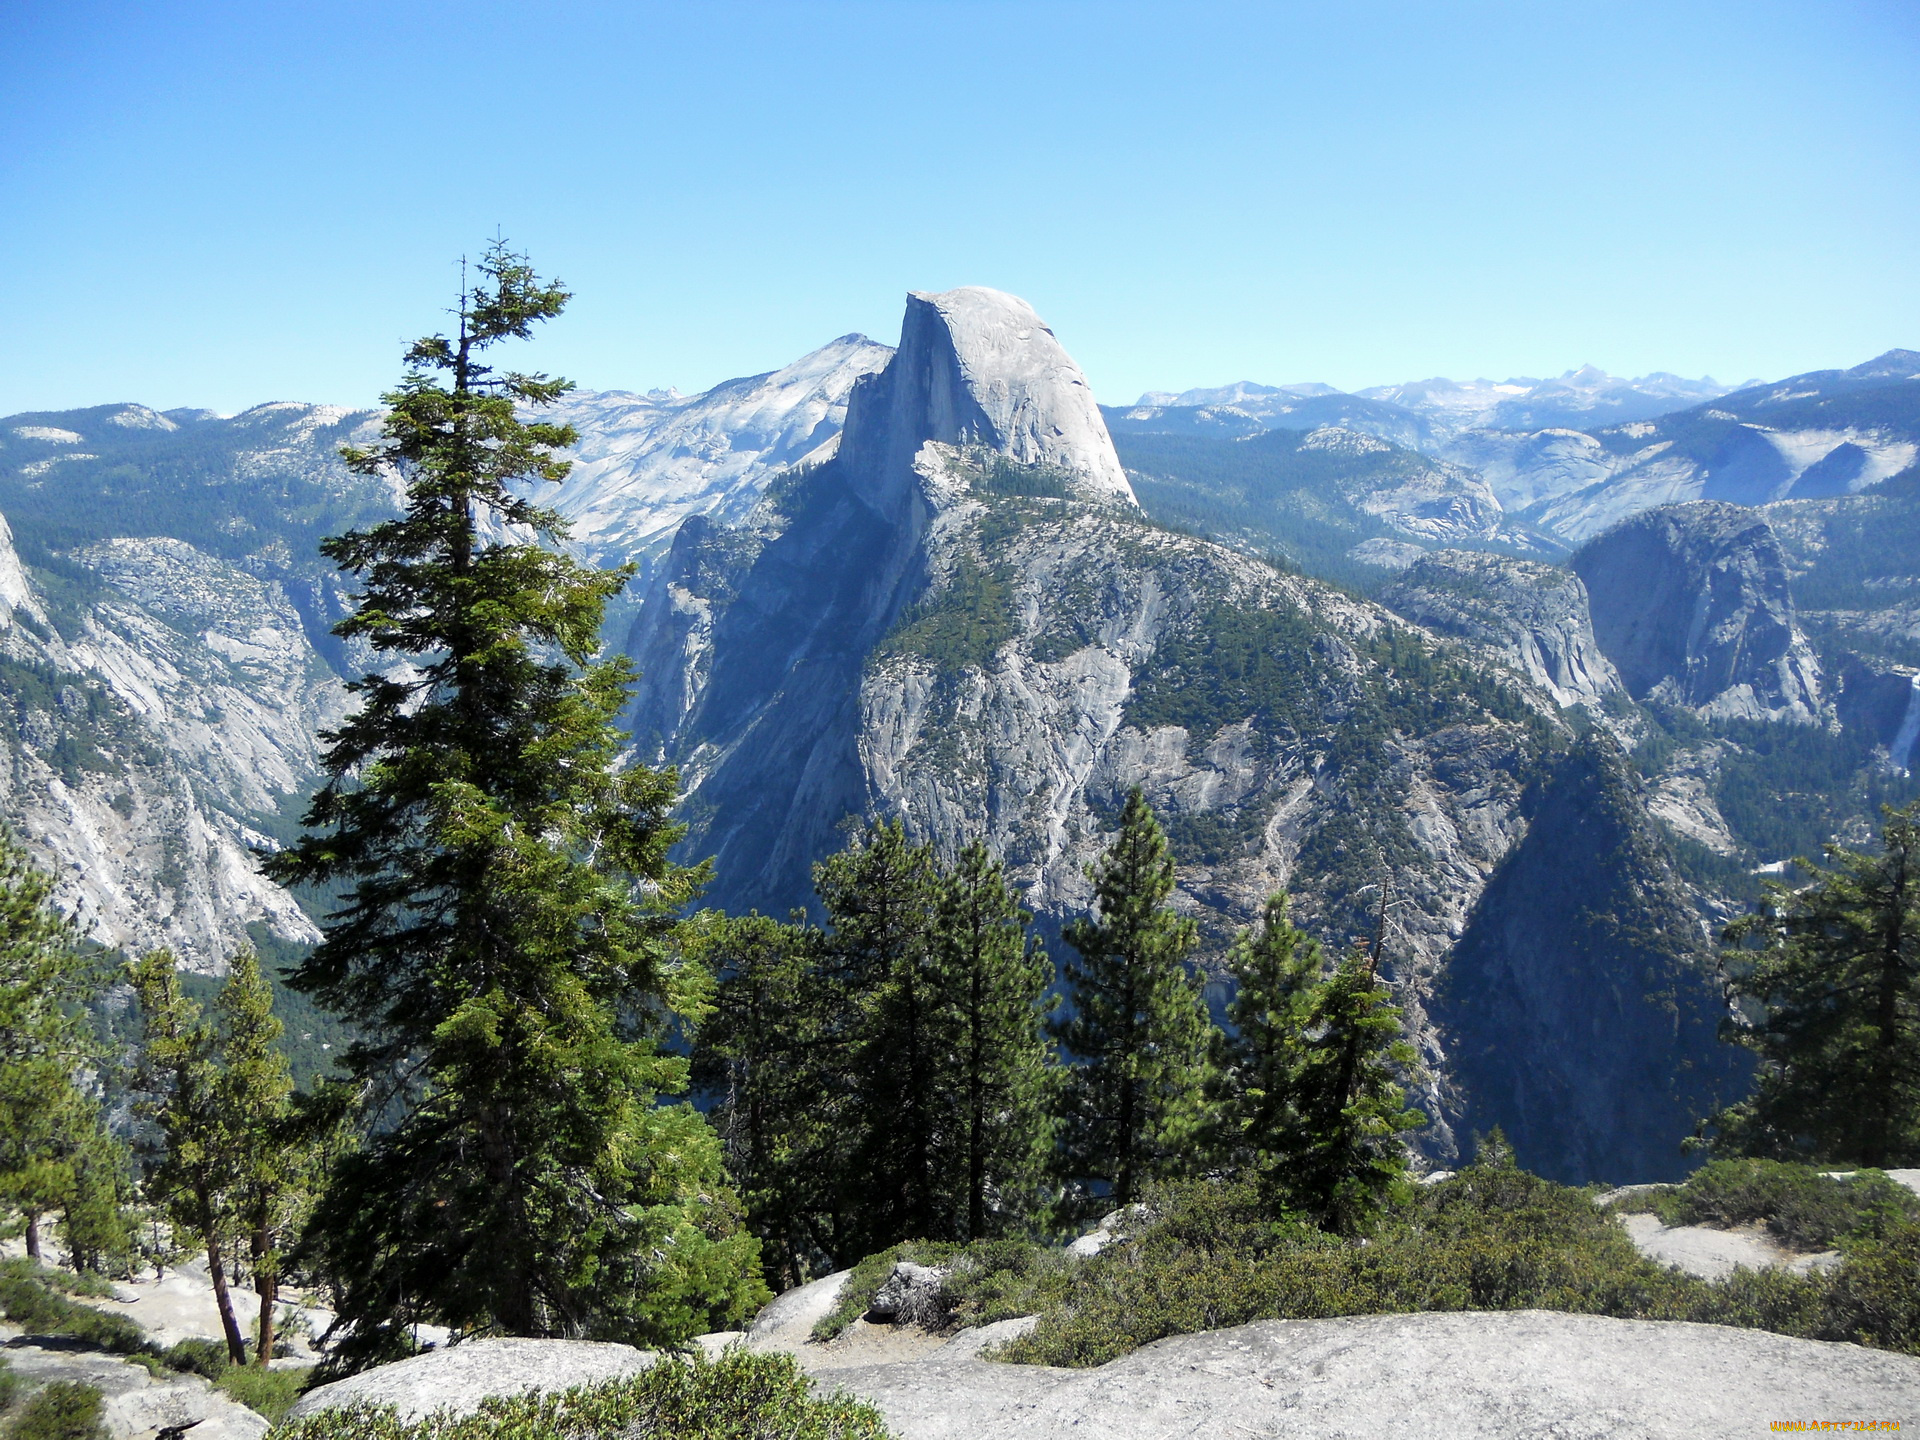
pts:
pixel 1691 604
pixel 1534 616
pixel 139 1405
pixel 1463 1376
pixel 458 1377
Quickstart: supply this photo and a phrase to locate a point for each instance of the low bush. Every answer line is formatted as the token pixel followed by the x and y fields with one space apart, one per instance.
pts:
pixel 197 1357
pixel 737 1397
pixel 1873 1296
pixel 31 1297
pixel 1491 1238
pixel 1800 1207
pixel 62 1410
pixel 266 1392
pixel 1003 1279
pixel 9 1385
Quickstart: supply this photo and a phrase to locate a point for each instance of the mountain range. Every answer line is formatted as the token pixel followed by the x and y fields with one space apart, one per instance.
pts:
pixel 1561 691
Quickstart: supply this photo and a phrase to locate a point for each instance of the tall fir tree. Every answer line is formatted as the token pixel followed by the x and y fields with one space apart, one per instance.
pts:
pixel 1133 1108
pixel 992 978
pixel 1276 969
pixel 502 941
pixel 1346 1159
pixel 758 1060
pixel 194 1171
pixel 56 1157
pixel 885 1031
pixel 1833 971
pixel 276 1146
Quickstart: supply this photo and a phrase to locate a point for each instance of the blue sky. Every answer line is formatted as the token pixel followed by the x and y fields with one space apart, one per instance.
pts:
pixel 217 205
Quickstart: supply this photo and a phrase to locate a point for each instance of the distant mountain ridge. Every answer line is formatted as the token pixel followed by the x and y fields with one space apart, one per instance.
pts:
pixel 1584 396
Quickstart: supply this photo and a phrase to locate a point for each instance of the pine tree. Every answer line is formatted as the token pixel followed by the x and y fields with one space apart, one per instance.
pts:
pixel 1276 970
pixel 991 981
pixel 195 1172
pixel 758 1058
pixel 276 1148
pixel 1834 970
pixel 502 943
pixel 1133 1107
pixel 883 1028
pixel 1347 1158
pixel 55 1155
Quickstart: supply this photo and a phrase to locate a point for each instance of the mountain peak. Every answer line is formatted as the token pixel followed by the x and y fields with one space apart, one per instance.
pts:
pixel 978 367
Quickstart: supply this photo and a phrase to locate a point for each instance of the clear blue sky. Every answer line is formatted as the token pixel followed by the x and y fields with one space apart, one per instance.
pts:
pixel 220 204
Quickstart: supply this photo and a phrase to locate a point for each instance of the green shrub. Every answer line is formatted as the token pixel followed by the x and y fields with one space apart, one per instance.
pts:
pixel 737 1397
pixel 197 1357
pixel 1003 1279
pixel 1800 1207
pixel 30 1297
pixel 9 1385
pixel 63 1410
pixel 266 1392
pixel 1872 1297
pixel 988 1280
pixel 66 1282
pixel 1492 1238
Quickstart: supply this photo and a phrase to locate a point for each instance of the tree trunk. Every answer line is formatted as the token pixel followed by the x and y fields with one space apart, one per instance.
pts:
pixel 266 1284
pixel 33 1236
pixel 217 1269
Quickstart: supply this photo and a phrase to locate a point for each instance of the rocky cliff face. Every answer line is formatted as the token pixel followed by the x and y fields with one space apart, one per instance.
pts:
pixel 1535 617
pixel 154 742
pixel 1574 988
pixel 988 640
pixel 1692 605
pixel 977 368
pixel 166 658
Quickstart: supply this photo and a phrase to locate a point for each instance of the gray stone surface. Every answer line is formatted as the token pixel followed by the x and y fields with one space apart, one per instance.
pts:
pixel 459 1377
pixel 1452 1377
pixel 1691 604
pixel 1534 616
pixel 1712 1253
pixel 139 1406
pixel 186 1404
pixel 1117 1225
pixel 910 1295
pixel 979 367
pixel 787 1323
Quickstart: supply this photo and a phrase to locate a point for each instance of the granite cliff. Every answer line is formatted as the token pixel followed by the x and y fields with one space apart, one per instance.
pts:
pixel 1692 604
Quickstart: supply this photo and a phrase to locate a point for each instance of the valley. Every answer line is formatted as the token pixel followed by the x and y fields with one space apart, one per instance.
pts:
pixel 1566 665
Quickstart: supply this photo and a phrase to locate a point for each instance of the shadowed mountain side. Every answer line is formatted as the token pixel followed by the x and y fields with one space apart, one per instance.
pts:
pixel 1691 603
pixel 786 620
pixel 1581 1010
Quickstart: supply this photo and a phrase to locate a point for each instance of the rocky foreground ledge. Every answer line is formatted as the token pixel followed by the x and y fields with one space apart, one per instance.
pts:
pixel 1457 1376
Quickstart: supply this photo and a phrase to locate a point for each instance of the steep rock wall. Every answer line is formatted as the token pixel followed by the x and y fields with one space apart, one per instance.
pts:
pixel 1691 603
pixel 1534 616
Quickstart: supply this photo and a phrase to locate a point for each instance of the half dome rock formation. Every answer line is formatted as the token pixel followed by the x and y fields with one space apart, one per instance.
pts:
pixel 1691 603
pixel 977 367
